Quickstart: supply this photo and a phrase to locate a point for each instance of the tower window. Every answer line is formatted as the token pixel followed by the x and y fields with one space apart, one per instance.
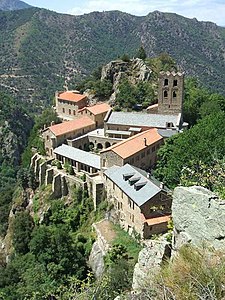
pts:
pixel 175 83
pixel 174 94
pixel 166 81
pixel 165 94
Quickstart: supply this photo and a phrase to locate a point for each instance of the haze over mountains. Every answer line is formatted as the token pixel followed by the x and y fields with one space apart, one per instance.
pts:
pixel 39 49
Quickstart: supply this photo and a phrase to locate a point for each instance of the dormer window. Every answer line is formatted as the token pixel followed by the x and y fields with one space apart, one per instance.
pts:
pixel 127 176
pixel 133 180
pixel 169 124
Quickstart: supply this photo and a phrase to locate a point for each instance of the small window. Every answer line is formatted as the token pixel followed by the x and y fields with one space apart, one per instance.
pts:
pixel 153 149
pixel 143 155
pixel 148 151
pixel 63 110
pixel 175 82
pixel 47 137
pixel 69 111
pixel 166 81
pixel 174 95
pixel 165 94
pixel 137 158
pixel 74 112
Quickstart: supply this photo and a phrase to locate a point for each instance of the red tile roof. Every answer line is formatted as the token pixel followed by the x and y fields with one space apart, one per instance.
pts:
pixel 135 143
pixel 71 96
pixel 153 106
pixel 71 126
pixel 159 220
pixel 99 108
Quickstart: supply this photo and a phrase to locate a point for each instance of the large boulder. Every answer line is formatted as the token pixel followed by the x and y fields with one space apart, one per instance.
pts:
pixel 198 217
pixel 149 261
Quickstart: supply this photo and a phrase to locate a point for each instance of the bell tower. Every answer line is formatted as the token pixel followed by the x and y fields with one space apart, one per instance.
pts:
pixel 170 93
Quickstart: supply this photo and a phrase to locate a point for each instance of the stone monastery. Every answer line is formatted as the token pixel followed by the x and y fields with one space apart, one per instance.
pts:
pixel 116 151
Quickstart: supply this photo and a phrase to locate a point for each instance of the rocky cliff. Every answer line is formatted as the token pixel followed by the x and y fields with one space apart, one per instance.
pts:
pixel 101 246
pixel 134 70
pixel 198 217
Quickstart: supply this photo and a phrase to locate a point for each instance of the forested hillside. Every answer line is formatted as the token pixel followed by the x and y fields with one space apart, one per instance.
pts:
pixel 40 50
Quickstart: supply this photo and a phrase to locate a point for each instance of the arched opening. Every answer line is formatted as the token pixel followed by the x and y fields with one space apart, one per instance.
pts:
pixel 165 94
pixel 99 146
pixel 175 82
pixel 174 95
pixel 107 144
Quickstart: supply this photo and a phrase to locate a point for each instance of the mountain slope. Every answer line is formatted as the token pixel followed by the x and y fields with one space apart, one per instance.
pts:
pixel 13 5
pixel 40 49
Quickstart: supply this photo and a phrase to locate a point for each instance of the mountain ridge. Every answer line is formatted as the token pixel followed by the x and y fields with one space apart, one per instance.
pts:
pixel 6 5
pixel 42 49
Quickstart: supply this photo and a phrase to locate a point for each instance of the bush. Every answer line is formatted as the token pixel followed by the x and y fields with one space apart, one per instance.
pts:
pixel 59 165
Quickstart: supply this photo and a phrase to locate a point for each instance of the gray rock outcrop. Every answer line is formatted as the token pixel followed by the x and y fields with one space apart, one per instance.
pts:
pixel 134 71
pixel 198 217
pixel 149 261
pixel 105 235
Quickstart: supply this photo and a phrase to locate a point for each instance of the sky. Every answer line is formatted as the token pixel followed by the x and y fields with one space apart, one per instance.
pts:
pixel 205 10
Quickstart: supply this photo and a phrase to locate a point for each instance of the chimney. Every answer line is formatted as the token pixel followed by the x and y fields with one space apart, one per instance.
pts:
pixel 145 140
pixel 161 185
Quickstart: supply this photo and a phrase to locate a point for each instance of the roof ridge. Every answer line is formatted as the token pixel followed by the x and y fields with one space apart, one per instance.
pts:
pixel 128 139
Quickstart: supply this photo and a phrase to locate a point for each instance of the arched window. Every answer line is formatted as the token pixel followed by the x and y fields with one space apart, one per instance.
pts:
pixel 174 94
pixel 175 82
pixel 165 94
pixel 166 81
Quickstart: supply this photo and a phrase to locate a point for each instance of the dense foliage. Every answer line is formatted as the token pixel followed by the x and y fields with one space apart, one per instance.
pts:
pixel 46 255
pixel 35 141
pixel 15 126
pixel 203 143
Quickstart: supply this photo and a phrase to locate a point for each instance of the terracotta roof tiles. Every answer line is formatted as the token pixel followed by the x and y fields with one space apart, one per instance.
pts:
pixel 135 143
pixel 71 96
pixel 70 126
pixel 158 220
pixel 99 108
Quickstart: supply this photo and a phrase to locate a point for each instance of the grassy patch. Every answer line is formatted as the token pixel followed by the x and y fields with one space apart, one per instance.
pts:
pixel 122 237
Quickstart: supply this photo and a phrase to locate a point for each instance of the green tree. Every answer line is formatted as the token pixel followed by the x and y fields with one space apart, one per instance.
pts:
pixel 22 230
pixel 141 53
pixel 202 143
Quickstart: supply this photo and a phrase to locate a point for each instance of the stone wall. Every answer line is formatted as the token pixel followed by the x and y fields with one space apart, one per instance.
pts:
pixel 63 183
